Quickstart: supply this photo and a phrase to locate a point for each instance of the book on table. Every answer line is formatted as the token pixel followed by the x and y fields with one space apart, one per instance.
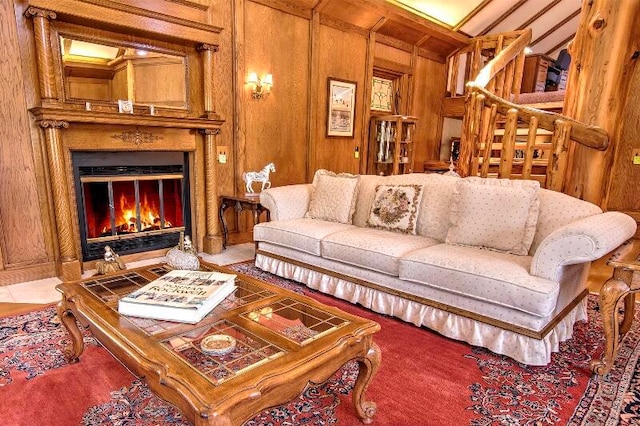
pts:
pixel 180 296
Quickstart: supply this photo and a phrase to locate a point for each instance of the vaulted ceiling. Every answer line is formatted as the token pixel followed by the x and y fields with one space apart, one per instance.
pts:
pixel 438 27
pixel 553 22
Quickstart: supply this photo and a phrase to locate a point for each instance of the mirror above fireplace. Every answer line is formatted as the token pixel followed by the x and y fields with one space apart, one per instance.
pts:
pixel 99 72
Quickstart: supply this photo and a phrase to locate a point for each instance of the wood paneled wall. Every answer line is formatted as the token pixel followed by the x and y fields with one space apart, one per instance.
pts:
pixel 341 55
pixel 429 86
pixel 275 128
pixel 23 249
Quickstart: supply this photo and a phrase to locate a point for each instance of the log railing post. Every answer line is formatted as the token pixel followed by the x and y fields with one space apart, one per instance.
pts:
pixel 508 144
pixel 556 168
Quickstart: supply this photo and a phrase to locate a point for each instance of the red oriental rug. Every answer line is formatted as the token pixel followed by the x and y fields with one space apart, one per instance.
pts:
pixel 425 379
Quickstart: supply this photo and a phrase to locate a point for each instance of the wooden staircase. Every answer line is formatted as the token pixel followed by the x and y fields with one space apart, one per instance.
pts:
pixel 499 137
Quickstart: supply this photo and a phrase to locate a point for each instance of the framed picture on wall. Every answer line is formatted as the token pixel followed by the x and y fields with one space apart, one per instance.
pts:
pixel 341 101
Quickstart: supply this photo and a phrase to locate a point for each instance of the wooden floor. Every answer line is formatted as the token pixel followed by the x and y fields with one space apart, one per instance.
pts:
pixel 598 274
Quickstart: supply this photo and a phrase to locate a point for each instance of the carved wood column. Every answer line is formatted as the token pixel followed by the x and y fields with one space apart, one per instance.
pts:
pixel 212 243
pixel 70 265
pixel 44 52
pixel 207 51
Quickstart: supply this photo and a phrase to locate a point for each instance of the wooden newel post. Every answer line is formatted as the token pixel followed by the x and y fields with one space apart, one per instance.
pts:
pixel 70 265
pixel 212 243
pixel 207 51
pixel 44 52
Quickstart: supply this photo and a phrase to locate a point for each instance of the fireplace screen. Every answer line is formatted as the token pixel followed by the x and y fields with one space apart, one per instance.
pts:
pixel 132 203
pixel 124 206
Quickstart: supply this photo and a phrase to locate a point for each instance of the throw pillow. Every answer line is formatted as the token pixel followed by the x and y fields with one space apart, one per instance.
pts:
pixel 333 197
pixel 497 214
pixel 395 208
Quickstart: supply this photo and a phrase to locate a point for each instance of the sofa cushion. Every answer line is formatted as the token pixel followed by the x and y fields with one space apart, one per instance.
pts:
pixel 333 197
pixel 490 276
pixel 303 234
pixel 372 248
pixel 395 208
pixel 435 207
pixel 497 214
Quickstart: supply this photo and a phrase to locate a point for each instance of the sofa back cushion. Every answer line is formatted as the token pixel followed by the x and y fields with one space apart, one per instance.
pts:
pixel 433 212
pixel 333 197
pixel 556 210
pixel 497 214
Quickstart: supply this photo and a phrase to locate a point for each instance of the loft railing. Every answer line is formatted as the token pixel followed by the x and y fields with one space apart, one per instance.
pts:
pixel 506 140
pixel 506 54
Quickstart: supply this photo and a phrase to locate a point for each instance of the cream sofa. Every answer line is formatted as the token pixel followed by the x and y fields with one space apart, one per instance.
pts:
pixel 456 275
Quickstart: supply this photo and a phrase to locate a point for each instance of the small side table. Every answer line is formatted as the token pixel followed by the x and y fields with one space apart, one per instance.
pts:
pixel 240 204
pixel 623 285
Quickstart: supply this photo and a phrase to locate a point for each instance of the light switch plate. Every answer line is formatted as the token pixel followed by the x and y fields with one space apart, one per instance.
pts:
pixel 635 156
pixel 222 154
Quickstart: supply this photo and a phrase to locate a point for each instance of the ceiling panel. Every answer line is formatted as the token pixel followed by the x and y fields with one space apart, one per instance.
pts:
pixel 520 16
pixel 401 32
pixel 448 12
pixel 562 33
pixel 351 13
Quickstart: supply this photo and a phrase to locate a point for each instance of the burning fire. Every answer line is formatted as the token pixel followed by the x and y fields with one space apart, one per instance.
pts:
pixel 126 219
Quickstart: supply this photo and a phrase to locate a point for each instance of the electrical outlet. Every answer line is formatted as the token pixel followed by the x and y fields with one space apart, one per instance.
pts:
pixel 222 154
pixel 635 155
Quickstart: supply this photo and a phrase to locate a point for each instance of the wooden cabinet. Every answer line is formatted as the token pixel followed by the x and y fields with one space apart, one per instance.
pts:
pixel 534 76
pixel 391 145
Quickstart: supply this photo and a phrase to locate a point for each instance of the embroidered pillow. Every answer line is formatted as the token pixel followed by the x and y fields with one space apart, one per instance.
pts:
pixel 497 214
pixel 395 208
pixel 333 197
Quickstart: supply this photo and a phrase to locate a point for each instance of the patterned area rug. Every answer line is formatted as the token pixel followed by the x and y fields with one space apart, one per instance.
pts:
pixel 424 379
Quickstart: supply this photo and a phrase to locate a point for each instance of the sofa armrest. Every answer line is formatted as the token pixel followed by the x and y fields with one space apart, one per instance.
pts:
pixel 287 202
pixel 581 241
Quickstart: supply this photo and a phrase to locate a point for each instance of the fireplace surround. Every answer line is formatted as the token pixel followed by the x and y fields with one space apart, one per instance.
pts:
pixel 186 198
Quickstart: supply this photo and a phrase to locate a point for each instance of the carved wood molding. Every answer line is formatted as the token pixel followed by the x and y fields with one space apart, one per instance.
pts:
pixel 137 137
pixel 53 124
pixel 205 46
pixel 126 15
pixel 211 131
pixel 33 12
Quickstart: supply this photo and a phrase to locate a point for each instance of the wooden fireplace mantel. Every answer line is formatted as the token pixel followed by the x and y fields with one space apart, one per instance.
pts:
pixel 72 115
pixel 58 124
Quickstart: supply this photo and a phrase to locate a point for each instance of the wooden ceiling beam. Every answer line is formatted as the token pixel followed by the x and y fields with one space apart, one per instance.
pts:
pixel 555 27
pixel 503 17
pixel 539 14
pixel 472 14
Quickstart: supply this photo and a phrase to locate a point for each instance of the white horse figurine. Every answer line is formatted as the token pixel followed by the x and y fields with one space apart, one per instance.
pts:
pixel 261 176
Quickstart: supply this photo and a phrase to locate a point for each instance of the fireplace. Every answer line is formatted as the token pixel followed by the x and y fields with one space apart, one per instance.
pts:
pixel 132 202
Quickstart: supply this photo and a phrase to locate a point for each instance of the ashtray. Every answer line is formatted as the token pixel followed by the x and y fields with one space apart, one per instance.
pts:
pixel 218 344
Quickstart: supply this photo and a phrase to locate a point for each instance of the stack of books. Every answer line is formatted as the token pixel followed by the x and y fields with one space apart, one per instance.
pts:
pixel 180 296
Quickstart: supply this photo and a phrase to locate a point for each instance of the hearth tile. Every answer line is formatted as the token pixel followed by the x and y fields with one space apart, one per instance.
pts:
pixel 5 295
pixel 39 291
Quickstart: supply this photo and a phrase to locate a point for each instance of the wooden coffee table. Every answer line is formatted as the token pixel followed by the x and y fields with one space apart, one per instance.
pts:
pixel 284 342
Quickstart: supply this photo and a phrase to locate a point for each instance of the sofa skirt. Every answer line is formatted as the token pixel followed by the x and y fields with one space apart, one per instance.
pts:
pixel 524 349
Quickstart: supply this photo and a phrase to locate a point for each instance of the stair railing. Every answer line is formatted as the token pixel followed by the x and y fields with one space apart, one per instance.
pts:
pixel 506 140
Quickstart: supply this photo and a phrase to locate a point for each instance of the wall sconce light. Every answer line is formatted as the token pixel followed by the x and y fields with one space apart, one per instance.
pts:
pixel 261 87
